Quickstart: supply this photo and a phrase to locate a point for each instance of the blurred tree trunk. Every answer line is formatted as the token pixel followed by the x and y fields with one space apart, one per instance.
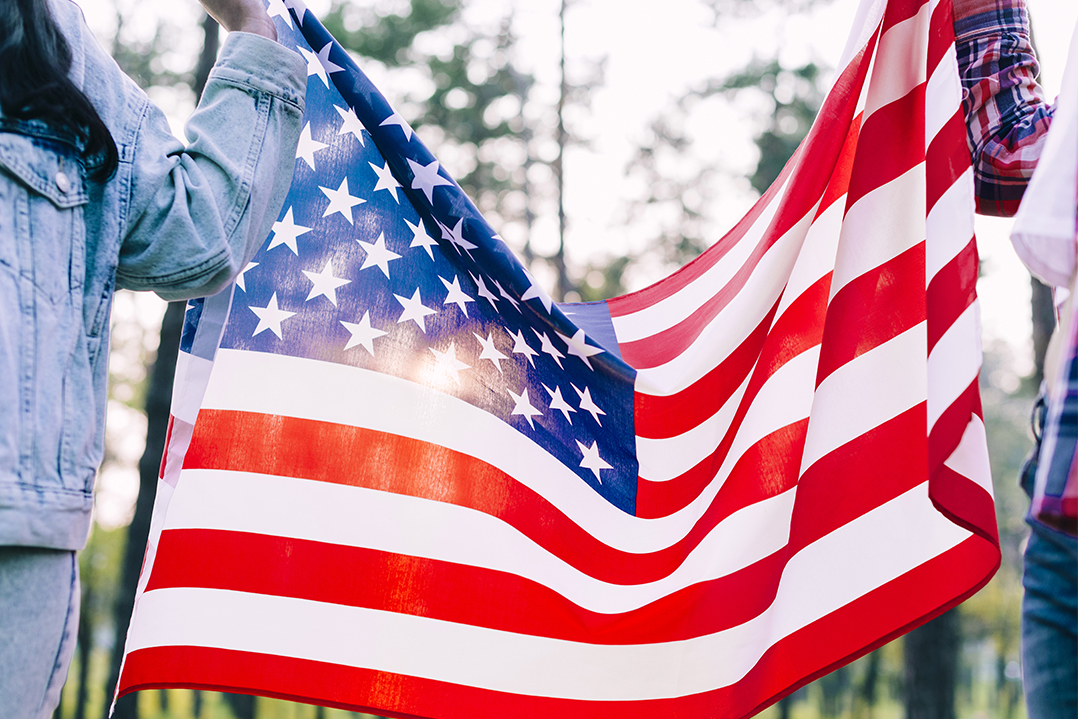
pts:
pixel 158 402
pixel 865 700
pixel 931 659
pixel 563 284
pixel 85 642
pixel 834 688
pixel 242 705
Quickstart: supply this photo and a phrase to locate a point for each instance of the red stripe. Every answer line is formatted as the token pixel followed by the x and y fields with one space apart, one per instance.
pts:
pixel 940 35
pixel 798 329
pixel 873 309
pixel 668 344
pixel 362 577
pixel 815 162
pixel 291 447
pixel 164 455
pixel 657 417
pixel 866 472
pixel 831 494
pixel 951 425
pixel 900 11
pixel 964 502
pixel 840 178
pixel 892 143
pixel 770 465
pixel 951 292
pixel 947 158
pixel 824 645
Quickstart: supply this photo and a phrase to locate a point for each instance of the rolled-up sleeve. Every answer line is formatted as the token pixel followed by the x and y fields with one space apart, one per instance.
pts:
pixel 198 213
pixel 1007 117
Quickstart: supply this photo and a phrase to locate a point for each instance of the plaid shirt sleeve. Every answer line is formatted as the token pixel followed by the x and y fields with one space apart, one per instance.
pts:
pixel 1006 113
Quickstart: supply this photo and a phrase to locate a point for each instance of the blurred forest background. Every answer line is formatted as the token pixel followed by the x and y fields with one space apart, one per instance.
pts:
pixel 454 69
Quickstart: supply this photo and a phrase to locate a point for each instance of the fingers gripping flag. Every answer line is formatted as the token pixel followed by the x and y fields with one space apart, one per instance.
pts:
pixel 400 479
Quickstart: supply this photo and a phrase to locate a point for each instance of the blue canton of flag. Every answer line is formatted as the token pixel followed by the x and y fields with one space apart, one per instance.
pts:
pixel 380 261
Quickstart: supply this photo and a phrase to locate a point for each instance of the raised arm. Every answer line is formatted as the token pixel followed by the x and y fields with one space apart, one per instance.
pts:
pixel 1006 113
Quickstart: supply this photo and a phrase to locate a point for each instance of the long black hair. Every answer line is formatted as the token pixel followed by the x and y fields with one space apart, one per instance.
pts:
pixel 34 84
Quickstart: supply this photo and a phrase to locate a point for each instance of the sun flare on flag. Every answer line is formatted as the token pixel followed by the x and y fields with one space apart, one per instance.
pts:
pixel 400 479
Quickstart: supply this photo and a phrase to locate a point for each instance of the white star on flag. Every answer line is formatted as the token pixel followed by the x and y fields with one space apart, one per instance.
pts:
pixel 308 146
pixel 396 119
pixel 447 362
pixel 456 295
pixel 414 310
pixel 535 291
pixel 456 236
pixel 506 295
pixel 588 404
pixel 592 460
pixel 378 255
pixel 490 352
pixel 320 64
pixel 386 181
pixel 363 335
pixel 239 277
pixel 548 347
pixel 579 348
pixel 340 201
pixel 286 231
pixel 558 402
pixel 270 317
pixel 483 291
pixel 426 178
pixel 351 123
pixel 523 406
pixel 325 284
pixel 277 8
pixel 521 347
pixel 420 238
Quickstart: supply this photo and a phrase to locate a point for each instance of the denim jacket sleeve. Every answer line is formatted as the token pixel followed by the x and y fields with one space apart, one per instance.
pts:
pixel 198 213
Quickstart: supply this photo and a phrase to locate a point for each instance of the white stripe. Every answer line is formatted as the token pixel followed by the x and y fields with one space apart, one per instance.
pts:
pixel 665 459
pixel 401 524
pixel 900 61
pixel 943 95
pixel 949 227
pixel 192 374
pixel 785 398
pixel 868 17
pixel 817 257
pixel 330 392
pixel 954 363
pixel 850 562
pixel 866 392
pixel 970 457
pixel 881 226
pixel 725 332
pixel 673 309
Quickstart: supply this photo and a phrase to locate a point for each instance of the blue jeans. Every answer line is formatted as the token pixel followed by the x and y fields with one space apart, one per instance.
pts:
pixel 1049 611
pixel 39 618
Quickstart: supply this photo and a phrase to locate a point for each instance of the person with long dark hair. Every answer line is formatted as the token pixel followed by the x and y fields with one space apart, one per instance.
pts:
pixel 95 195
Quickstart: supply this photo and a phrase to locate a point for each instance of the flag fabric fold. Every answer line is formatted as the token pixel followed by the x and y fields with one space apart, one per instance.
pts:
pixel 400 479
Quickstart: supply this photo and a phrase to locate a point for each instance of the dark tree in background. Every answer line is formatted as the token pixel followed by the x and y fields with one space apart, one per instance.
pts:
pixel 931 653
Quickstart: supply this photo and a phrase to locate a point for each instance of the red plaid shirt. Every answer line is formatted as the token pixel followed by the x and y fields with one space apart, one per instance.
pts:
pixel 1006 113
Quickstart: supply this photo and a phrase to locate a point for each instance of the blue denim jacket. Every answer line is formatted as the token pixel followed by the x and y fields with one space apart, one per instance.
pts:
pixel 181 221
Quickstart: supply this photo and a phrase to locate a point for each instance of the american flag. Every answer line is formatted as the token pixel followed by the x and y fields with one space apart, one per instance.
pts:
pixel 400 479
